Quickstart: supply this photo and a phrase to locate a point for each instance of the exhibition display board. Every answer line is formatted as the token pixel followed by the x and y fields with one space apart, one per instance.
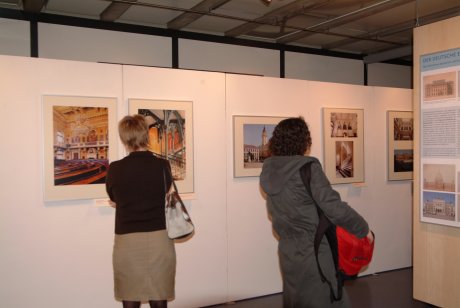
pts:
pixel 436 103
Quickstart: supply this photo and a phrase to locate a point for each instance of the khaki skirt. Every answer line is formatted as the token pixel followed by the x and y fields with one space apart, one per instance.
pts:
pixel 144 266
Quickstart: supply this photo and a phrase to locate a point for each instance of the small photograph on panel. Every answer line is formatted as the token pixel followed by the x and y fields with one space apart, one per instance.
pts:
pixel 344 159
pixel 440 177
pixel 256 138
pixel 439 205
pixel 439 86
pixel 403 129
pixel 404 160
pixel 344 124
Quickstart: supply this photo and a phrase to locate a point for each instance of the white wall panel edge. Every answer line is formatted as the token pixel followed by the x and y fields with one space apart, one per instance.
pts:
pixel 66 239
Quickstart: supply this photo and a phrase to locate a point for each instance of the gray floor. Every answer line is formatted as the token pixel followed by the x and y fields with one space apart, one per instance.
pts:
pixel 385 290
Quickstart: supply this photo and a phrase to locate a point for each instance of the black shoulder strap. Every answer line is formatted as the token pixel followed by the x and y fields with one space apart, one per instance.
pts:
pixel 325 228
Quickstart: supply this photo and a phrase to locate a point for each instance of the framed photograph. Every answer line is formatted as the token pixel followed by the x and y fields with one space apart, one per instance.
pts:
pixel 80 139
pixel 171 135
pixel 250 143
pixel 400 145
pixel 344 145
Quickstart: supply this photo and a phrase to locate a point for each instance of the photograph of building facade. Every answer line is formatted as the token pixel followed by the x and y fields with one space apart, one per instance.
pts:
pixel 81 145
pixel 439 86
pixel 438 205
pixel 439 177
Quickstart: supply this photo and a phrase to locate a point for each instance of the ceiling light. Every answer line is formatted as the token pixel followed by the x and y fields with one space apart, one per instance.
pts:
pixel 266 2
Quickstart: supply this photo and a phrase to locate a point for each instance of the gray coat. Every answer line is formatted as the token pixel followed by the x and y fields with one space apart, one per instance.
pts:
pixel 294 219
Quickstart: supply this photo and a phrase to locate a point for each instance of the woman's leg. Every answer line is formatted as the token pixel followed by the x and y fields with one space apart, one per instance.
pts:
pixel 131 304
pixel 158 304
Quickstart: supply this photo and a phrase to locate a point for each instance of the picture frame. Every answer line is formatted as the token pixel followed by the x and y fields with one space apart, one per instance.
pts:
pixel 343 145
pixel 171 135
pixel 400 126
pixel 80 140
pixel 250 143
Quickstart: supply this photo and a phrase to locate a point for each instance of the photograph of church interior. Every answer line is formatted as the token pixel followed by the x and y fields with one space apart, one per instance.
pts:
pixel 368 60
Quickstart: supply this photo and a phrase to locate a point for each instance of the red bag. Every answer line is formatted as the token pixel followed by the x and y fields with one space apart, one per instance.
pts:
pixel 354 253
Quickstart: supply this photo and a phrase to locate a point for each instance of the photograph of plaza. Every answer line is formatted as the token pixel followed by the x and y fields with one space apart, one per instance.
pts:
pixel 439 177
pixel 439 205
pixel 256 137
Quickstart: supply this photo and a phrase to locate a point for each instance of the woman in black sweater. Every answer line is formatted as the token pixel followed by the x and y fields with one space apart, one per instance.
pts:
pixel 144 258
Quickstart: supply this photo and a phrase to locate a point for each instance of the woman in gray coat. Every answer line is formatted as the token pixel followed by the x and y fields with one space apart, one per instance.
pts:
pixel 294 217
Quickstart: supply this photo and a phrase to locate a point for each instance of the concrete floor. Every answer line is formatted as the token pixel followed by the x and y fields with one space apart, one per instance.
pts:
pixel 391 289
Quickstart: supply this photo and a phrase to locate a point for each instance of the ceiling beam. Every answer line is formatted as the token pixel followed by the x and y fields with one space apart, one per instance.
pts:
pixel 114 10
pixel 187 18
pixel 235 18
pixel 400 27
pixel 343 19
pixel 33 6
pixel 277 17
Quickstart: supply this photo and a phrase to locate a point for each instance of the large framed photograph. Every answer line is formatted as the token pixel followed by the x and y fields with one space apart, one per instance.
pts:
pixel 171 135
pixel 344 145
pixel 80 139
pixel 250 143
pixel 400 145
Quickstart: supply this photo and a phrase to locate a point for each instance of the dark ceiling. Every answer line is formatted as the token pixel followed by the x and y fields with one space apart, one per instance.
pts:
pixel 377 30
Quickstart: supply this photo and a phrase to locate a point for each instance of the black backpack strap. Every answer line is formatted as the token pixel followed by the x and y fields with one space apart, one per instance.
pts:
pixel 325 228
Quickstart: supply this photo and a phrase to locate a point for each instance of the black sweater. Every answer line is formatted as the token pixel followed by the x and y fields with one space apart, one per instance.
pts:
pixel 136 184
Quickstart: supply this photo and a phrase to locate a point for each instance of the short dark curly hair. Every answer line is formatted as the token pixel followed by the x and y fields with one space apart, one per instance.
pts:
pixel 290 137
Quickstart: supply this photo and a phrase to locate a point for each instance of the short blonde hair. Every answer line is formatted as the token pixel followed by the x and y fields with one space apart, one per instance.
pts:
pixel 134 132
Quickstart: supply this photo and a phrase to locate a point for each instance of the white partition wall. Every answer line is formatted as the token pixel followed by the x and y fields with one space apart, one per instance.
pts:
pixel 201 261
pixel 389 201
pixel 252 247
pixel 56 253
pixel 61 251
